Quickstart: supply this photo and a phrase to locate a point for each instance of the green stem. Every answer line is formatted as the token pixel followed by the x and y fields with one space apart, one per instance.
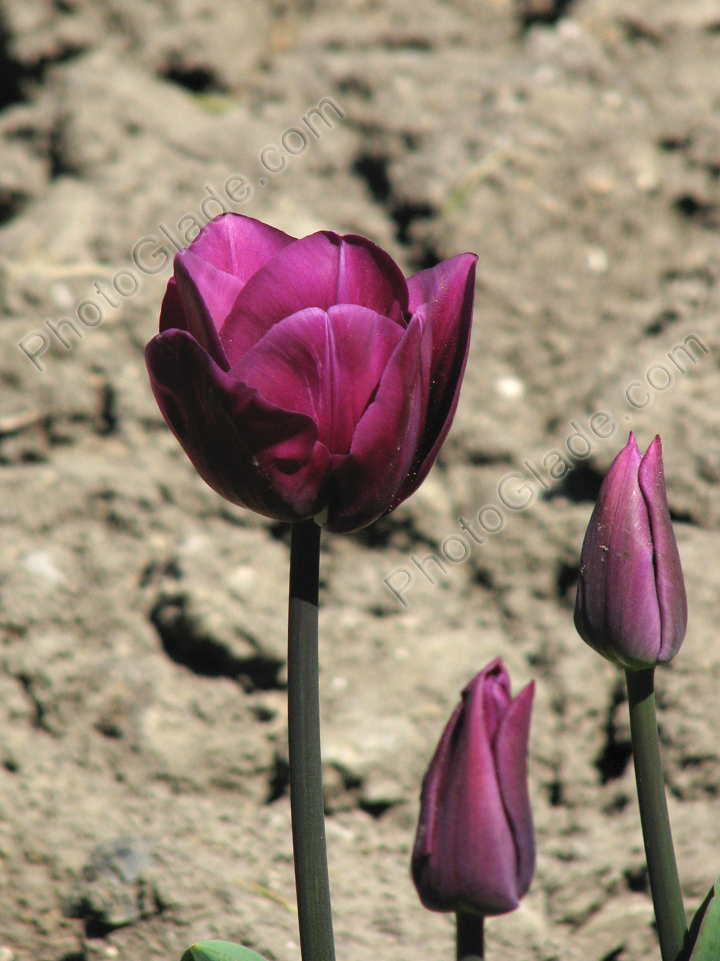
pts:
pixel 662 870
pixel 470 936
pixel 306 789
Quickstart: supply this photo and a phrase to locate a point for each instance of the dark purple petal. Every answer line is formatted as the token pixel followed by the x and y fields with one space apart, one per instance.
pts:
pixel 172 312
pixel 239 245
pixel 364 483
pixel 326 364
pixel 321 270
pixel 250 452
pixel 478 833
pixel 211 273
pixel 448 291
pixel 207 294
pixel 426 842
pixel 369 277
pixel 511 749
pixel 497 697
pixel 669 580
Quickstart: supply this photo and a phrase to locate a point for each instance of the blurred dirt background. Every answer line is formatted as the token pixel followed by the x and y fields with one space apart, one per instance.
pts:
pixel 143 770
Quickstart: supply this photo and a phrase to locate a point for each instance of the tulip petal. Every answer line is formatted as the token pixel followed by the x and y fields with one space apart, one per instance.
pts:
pixel 511 749
pixel 369 277
pixel 497 698
pixel 617 607
pixel 481 842
pixel 437 774
pixel 239 245
pixel 321 270
pixel 324 364
pixel 211 273
pixel 247 450
pixel 669 579
pixel 447 290
pixel 172 312
pixel 364 484
pixel 206 295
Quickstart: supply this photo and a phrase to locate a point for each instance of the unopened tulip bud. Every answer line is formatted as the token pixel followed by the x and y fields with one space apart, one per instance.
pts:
pixel 474 850
pixel 631 605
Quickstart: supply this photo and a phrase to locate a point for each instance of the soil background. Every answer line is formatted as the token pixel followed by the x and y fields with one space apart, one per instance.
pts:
pixel 575 147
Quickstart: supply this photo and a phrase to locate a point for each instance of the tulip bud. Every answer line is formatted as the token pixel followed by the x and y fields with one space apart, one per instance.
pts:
pixel 475 850
pixel 631 605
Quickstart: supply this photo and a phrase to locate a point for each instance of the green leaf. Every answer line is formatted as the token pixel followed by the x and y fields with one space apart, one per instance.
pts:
pixel 707 945
pixel 220 951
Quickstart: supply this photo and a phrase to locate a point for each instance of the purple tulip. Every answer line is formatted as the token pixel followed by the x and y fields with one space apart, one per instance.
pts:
pixel 475 850
pixel 631 605
pixel 308 378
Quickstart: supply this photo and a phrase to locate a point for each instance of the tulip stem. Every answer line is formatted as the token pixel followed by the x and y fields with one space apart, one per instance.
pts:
pixel 306 789
pixel 470 936
pixel 659 852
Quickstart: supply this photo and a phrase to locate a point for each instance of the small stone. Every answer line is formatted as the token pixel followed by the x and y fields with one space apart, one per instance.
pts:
pixel 100 948
pixel 510 387
pixel 597 260
pixel 115 888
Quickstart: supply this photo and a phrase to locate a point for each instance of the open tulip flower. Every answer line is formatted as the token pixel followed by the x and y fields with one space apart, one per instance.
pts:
pixel 631 605
pixel 475 847
pixel 309 378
